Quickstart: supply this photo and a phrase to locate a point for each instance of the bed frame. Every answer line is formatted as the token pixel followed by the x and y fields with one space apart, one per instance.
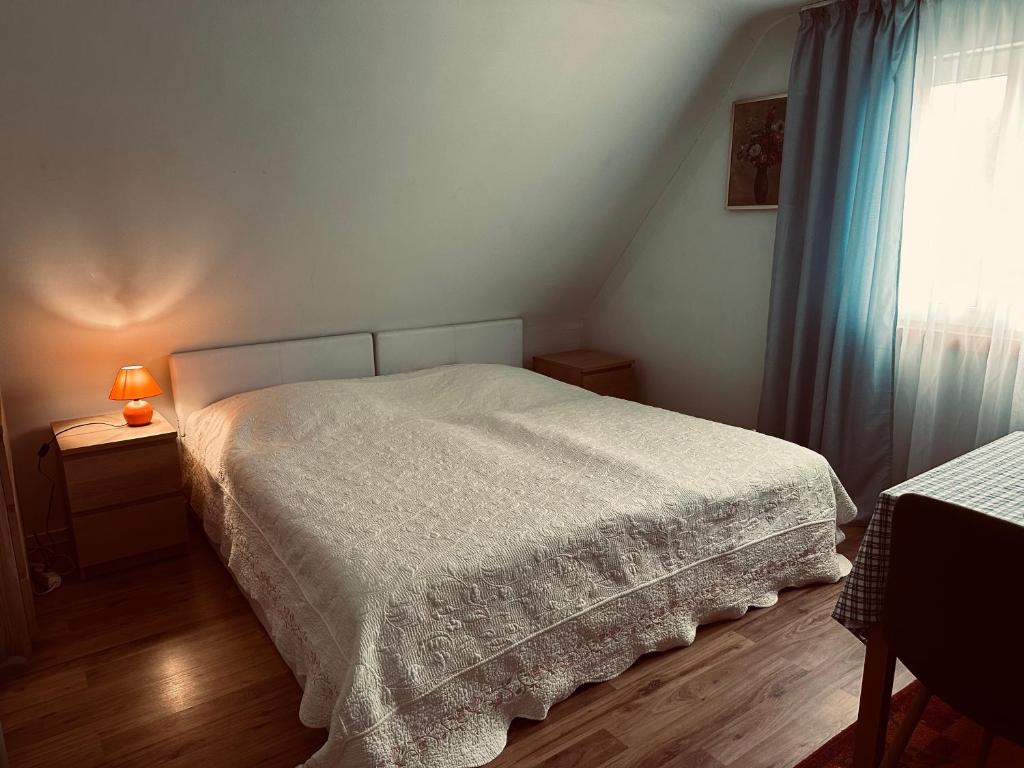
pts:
pixel 205 376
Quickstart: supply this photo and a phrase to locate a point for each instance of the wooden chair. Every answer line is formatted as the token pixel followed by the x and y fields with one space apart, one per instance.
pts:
pixel 954 615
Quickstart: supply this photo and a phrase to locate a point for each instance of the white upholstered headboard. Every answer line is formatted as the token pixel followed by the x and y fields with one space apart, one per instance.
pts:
pixel 208 375
pixel 495 341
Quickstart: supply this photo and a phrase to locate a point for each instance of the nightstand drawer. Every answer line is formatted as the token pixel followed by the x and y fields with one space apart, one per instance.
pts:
pixel 104 478
pixel 113 534
pixel 598 372
pixel 616 383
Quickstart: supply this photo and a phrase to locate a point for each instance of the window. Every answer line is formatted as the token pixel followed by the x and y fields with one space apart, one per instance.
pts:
pixel 959 361
pixel 962 262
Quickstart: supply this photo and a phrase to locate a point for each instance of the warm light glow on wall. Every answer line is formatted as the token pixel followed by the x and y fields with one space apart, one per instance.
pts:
pixel 94 289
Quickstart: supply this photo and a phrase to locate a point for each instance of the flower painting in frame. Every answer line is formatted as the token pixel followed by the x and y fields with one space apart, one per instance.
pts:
pixel 755 156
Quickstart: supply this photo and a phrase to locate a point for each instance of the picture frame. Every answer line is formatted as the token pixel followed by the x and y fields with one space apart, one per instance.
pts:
pixel 756 138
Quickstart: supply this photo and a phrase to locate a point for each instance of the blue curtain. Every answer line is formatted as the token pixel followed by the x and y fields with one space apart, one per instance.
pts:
pixel 829 365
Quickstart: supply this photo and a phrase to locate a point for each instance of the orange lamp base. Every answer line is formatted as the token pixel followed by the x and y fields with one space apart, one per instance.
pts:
pixel 138 413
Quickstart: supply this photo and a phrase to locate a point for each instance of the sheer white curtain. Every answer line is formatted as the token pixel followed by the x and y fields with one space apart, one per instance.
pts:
pixel 959 361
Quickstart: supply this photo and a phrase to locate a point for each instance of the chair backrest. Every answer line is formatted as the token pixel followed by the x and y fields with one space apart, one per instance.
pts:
pixel 954 609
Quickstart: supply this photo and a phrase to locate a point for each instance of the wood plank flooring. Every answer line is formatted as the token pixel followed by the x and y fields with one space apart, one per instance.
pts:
pixel 166 665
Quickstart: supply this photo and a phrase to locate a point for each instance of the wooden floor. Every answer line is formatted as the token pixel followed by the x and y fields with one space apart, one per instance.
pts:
pixel 166 665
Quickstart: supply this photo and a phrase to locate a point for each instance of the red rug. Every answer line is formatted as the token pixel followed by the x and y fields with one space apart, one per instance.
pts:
pixel 943 737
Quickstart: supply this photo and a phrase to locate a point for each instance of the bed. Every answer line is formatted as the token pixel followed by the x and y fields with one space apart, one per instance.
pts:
pixel 458 542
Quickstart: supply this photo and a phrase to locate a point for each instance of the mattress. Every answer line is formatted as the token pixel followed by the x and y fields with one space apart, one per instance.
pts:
pixel 439 552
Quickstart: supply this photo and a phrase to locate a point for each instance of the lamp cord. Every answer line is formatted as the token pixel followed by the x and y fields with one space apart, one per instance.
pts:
pixel 44 543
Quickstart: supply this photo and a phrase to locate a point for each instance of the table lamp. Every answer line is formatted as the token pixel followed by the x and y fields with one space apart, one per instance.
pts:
pixel 133 383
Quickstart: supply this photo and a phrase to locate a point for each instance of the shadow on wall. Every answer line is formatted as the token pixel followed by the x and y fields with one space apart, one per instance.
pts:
pixel 689 297
pixel 680 140
pixel 716 88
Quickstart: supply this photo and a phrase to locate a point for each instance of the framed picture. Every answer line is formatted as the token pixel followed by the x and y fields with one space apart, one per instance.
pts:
pixel 755 153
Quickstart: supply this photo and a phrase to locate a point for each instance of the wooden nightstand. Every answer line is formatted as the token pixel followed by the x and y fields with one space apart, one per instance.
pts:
pixel 599 372
pixel 123 490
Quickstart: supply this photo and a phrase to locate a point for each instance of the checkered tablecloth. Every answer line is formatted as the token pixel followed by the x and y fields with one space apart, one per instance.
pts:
pixel 989 479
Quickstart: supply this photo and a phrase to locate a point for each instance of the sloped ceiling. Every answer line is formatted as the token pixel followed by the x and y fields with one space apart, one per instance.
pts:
pixel 194 173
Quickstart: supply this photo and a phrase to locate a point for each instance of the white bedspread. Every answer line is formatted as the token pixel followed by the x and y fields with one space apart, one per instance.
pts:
pixel 439 552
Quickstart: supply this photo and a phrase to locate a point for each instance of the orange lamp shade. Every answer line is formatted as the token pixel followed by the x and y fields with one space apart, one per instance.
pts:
pixel 133 383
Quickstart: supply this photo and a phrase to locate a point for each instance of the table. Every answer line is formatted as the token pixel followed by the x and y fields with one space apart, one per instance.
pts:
pixel 989 479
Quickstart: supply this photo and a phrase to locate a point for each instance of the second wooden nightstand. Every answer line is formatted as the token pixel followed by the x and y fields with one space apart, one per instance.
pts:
pixel 599 372
pixel 123 489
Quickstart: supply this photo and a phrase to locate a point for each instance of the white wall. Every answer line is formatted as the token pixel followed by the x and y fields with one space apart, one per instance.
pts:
pixel 689 298
pixel 182 174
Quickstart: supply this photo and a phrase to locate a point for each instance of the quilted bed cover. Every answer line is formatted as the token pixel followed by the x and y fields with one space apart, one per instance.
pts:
pixel 439 552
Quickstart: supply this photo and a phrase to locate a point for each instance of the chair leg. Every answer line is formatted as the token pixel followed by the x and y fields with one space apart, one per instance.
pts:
pixel 986 747
pixel 906 729
pixel 875 696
